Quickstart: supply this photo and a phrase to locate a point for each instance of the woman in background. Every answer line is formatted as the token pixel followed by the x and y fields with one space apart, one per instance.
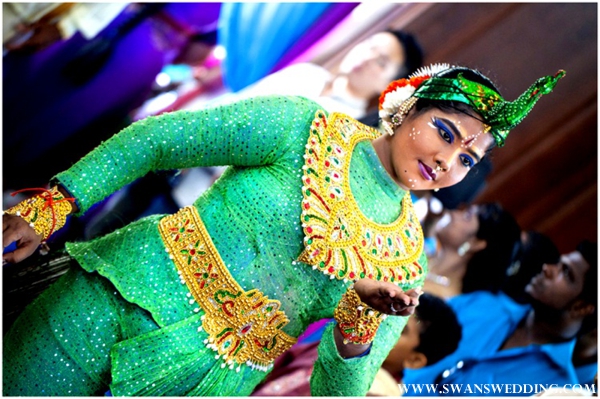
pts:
pixel 474 248
pixel 364 72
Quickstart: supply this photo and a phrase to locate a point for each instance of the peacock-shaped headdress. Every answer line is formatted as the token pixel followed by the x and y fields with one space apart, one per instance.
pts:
pixel 432 83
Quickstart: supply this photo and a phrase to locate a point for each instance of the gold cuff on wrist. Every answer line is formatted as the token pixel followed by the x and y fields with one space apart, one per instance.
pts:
pixel 357 321
pixel 45 212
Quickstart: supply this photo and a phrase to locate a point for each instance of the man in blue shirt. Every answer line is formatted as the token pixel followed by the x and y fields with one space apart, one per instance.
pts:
pixel 513 349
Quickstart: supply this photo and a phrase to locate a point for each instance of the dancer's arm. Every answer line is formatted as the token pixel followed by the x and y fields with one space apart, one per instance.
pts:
pixel 252 132
pixel 348 369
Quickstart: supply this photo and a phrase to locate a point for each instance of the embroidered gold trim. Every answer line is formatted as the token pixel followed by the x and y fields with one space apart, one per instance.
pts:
pixel 243 326
pixel 338 239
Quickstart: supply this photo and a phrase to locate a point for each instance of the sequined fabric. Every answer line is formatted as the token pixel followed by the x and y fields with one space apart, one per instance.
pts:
pixel 252 214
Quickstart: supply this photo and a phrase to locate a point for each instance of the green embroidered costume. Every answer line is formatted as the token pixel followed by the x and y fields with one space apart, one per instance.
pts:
pixel 199 303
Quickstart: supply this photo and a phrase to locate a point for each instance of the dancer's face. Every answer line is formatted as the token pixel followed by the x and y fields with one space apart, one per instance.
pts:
pixel 435 149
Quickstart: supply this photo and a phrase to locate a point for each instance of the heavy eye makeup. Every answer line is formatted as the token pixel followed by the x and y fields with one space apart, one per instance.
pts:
pixel 444 130
pixel 448 136
pixel 467 160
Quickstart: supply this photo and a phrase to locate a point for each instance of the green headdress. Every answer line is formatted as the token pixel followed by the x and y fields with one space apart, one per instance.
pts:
pixel 499 115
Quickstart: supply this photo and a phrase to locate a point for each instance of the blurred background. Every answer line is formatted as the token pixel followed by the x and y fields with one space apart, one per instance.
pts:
pixel 76 73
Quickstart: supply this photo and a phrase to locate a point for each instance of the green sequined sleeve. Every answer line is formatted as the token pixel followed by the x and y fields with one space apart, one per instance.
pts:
pixel 335 376
pixel 251 132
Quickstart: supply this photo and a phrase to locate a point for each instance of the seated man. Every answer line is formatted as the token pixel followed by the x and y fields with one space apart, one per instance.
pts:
pixel 512 349
pixel 431 333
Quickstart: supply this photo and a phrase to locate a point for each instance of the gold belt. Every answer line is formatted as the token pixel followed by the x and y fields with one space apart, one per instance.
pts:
pixel 243 326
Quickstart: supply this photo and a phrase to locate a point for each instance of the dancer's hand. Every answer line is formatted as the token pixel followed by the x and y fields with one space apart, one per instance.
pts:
pixel 16 229
pixel 387 298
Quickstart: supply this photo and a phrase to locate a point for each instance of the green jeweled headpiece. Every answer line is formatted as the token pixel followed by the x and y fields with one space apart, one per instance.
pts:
pixel 500 115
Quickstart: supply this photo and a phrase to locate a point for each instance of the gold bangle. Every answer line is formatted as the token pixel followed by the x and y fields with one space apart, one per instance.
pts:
pixel 357 321
pixel 45 212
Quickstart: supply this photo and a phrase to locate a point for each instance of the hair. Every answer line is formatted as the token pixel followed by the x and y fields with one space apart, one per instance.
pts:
pixel 440 330
pixel 486 270
pixel 531 256
pixel 424 104
pixel 413 53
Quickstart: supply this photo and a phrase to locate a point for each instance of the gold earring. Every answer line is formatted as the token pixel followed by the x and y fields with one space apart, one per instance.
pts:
pixel 399 116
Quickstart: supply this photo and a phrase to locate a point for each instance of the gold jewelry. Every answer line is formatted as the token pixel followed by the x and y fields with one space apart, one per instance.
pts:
pixel 243 327
pixel 339 240
pixel 357 321
pixel 438 168
pixel 403 110
pixel 45 213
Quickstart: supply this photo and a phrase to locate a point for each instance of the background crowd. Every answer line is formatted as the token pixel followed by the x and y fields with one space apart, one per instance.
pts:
pixel 511 294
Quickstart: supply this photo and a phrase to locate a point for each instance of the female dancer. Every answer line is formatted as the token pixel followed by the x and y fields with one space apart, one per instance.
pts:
pixel 313 219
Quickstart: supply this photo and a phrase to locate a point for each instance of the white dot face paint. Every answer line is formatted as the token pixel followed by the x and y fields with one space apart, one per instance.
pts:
pixel 413 162
pixel 470 140
pixel 414 132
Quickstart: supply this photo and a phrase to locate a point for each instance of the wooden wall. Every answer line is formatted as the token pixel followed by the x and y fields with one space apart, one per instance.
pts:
pixel 546 174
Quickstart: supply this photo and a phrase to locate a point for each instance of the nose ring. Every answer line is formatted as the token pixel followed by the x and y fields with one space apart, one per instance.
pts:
pixel 438 168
